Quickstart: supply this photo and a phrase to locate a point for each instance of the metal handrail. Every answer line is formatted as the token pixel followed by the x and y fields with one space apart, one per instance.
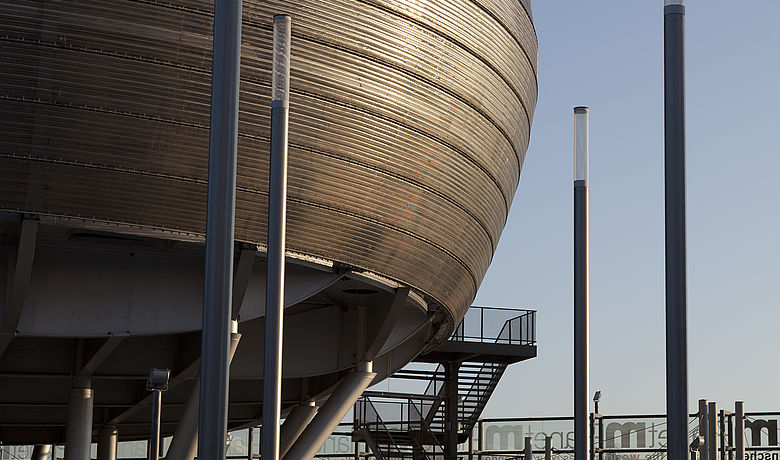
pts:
pixel 518 329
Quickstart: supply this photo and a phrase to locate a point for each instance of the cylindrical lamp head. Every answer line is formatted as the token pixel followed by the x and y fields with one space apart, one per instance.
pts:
pixel 280 86
pixel 581 143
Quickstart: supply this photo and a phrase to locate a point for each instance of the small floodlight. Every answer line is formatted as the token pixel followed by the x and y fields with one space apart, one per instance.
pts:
pixel 158 380
pixel 596 399
pixel 697 443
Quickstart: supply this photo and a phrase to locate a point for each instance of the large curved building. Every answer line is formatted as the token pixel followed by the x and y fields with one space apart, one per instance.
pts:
pixel 409 123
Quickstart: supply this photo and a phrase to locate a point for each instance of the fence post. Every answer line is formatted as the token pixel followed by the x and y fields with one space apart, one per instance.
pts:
pixel 528 452
pixel 712 427
pixel 722 434
pixel 703 428
pixel 730 427
pixel 548 448
pixel 739 427
pixel 601 438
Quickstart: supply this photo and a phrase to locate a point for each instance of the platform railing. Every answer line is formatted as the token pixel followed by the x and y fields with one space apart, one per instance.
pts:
pixel 497 325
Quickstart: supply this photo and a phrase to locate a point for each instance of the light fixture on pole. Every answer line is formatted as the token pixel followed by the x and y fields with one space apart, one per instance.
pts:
pixel 277 230
pixel 157 382
pixel 581 282
pixel 596 399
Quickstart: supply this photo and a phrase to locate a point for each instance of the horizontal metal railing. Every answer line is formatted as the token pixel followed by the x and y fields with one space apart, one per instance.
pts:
pixel 497 325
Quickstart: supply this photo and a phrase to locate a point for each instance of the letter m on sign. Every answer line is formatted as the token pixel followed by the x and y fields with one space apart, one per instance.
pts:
pixel 756 426
pixel 625 430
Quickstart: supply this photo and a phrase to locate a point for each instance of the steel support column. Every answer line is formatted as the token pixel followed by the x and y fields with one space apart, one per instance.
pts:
pixel 41 452
pixel 294 425
pixel 676 275
pixel 331 413
pixel 78 432
pixel 451 410
pixel 277 217
pixel 220 225
pixel 184 445
pixel 107 441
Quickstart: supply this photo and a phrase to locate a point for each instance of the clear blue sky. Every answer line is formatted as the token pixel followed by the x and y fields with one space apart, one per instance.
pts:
pixel 608 55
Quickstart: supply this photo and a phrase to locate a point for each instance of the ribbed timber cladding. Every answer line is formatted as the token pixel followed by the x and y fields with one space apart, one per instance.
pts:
pixel 409 124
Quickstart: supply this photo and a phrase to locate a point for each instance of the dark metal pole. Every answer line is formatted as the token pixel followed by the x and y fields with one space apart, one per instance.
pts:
pixel 154 440
pixel 548 448
pixel 601 438
pixel 581 301
pixel 712 431
pixel 676 282
pixel 592 428
pixel 249 443
pixel 220 217
pixel 703 428
pixel 277 213
pixel 739 429
pixel 451 410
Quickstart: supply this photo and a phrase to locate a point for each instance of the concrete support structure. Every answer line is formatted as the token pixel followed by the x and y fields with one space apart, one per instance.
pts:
pixel 581 282
pixel 739 429
pixel 294 425
pixel 41 452
pixel 107 440
pixel 277 230
pixel 331 413
pixel 451 410
pixel 78 433
pixel 676 271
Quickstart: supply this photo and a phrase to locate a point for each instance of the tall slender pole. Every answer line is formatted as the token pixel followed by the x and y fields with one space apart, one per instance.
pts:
pixel 581 282
pixel 277 216
pixel 154 440
pixel 220 217
pixel 676 276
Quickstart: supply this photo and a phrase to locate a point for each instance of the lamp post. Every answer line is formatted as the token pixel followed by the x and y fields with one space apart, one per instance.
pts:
pixel 676 275
pixel 581 282
pixel 277 216
pixel 156 383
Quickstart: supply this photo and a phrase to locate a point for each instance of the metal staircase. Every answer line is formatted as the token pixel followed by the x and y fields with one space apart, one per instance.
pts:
pixel 407 436
pixel 414 425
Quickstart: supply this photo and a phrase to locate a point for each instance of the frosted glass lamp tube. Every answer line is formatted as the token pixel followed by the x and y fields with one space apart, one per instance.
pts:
pixel 581 142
